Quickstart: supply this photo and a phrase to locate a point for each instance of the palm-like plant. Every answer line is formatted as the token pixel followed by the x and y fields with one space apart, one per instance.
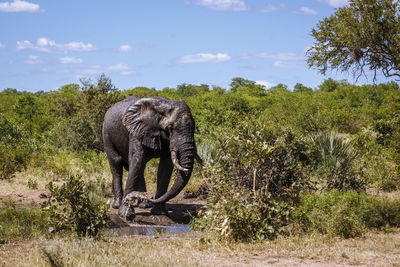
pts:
pixel 335 161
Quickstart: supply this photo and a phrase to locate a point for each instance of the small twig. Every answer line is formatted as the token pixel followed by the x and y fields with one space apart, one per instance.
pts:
pixel 254 180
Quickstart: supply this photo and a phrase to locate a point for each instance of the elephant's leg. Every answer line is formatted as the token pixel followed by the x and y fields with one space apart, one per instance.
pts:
pixel 163 178
pixel 116 167
pixel 139 184
pixel 137 163
pixel 135 181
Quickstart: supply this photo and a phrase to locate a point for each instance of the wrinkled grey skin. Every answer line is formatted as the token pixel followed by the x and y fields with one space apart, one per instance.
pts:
pixel 136 130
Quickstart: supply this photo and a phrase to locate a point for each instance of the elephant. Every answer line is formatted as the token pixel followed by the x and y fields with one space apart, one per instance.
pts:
pixel 136 130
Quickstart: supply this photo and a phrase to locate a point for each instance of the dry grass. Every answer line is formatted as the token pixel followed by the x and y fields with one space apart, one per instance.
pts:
pixel 88 252
pixel 375 249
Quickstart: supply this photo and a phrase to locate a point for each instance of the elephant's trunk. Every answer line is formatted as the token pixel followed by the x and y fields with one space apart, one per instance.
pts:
pixel 184 164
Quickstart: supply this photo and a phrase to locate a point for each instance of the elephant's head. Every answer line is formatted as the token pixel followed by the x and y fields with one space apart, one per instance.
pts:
pixel 157 122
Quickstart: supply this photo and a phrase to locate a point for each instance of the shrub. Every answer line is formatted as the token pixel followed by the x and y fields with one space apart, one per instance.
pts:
pixel 335 163
pixel 378 162
pixel 255 174
pixel 71 208
pixel 347 214
pixel 15 148
pixel 32 183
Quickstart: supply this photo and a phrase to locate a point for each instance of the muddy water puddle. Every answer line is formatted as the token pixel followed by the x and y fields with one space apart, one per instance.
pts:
pixel 141 229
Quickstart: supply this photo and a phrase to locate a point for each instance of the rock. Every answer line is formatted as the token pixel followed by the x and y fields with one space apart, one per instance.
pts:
pixel 126 212
pixel 43 195
pixel 134 199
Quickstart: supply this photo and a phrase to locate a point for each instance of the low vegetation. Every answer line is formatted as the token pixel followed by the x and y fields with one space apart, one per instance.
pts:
pixel 72 208
pixel 21 223
pixel 347 214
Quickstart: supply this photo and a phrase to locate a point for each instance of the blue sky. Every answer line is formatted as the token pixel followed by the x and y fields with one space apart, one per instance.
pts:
pixel 45 44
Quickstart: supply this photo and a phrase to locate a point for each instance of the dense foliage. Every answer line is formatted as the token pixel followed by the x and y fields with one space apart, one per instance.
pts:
pixel 255 177
pixel 263 149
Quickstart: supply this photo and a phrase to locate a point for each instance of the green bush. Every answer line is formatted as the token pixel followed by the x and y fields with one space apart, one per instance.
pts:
pixel 32 183
pixel 71 208
pixel 347 214
pixel 255 175
pixel 379 163
pixel 15 148
pixel 335 163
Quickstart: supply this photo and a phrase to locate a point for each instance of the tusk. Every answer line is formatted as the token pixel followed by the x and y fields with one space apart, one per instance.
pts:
pixel 197 157
pixel 175 162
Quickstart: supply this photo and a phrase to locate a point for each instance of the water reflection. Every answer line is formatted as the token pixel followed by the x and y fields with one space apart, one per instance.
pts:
pixel 148 230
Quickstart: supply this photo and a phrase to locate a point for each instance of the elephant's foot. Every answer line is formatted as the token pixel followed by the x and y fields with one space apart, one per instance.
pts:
pixel 159 209
pixel 144 204
pixel 116 203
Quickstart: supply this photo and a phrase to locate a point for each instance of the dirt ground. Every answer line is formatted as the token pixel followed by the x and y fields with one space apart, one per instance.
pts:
pixel 272 254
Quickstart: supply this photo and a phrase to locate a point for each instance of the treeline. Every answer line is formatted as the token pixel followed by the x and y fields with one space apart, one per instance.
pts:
pixel 71 117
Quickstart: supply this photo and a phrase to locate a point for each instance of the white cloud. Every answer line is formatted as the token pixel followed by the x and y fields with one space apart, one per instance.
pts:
pixel 205 58
pixel 223 5
pixel 33 60
pixel 19 6
pixel 45 45
pixel 306 11
pixel 282 60
pixel 266 84
pixel 123 69
pixel 125 48
pixel 271 8
pixel 92 70
pixel 279 56
pixel 70 60
pixel 335 3
pixel 285 64
pixel 2 46
pixel 77 46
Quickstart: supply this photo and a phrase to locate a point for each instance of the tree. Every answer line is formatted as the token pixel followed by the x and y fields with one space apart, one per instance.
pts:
pixel 363 34
pixel 330 85
pixel 187 90
pixel 301 88
pixel 32 112
pixel 247 87
pixel 141 91
pixel 65 101
pixel 278 87
pixel 97 97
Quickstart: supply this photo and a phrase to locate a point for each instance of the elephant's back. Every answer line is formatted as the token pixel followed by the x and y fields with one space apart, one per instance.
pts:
pixel 115 133
pixel 114 114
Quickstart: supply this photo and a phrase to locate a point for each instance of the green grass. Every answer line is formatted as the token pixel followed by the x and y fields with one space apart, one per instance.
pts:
pixel 347 214
pixel 23 223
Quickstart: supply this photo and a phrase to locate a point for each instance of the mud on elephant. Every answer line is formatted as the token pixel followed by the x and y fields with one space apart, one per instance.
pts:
pixel 136 130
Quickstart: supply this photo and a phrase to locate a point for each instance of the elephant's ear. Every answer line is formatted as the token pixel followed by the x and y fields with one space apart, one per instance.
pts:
pixel 142 121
